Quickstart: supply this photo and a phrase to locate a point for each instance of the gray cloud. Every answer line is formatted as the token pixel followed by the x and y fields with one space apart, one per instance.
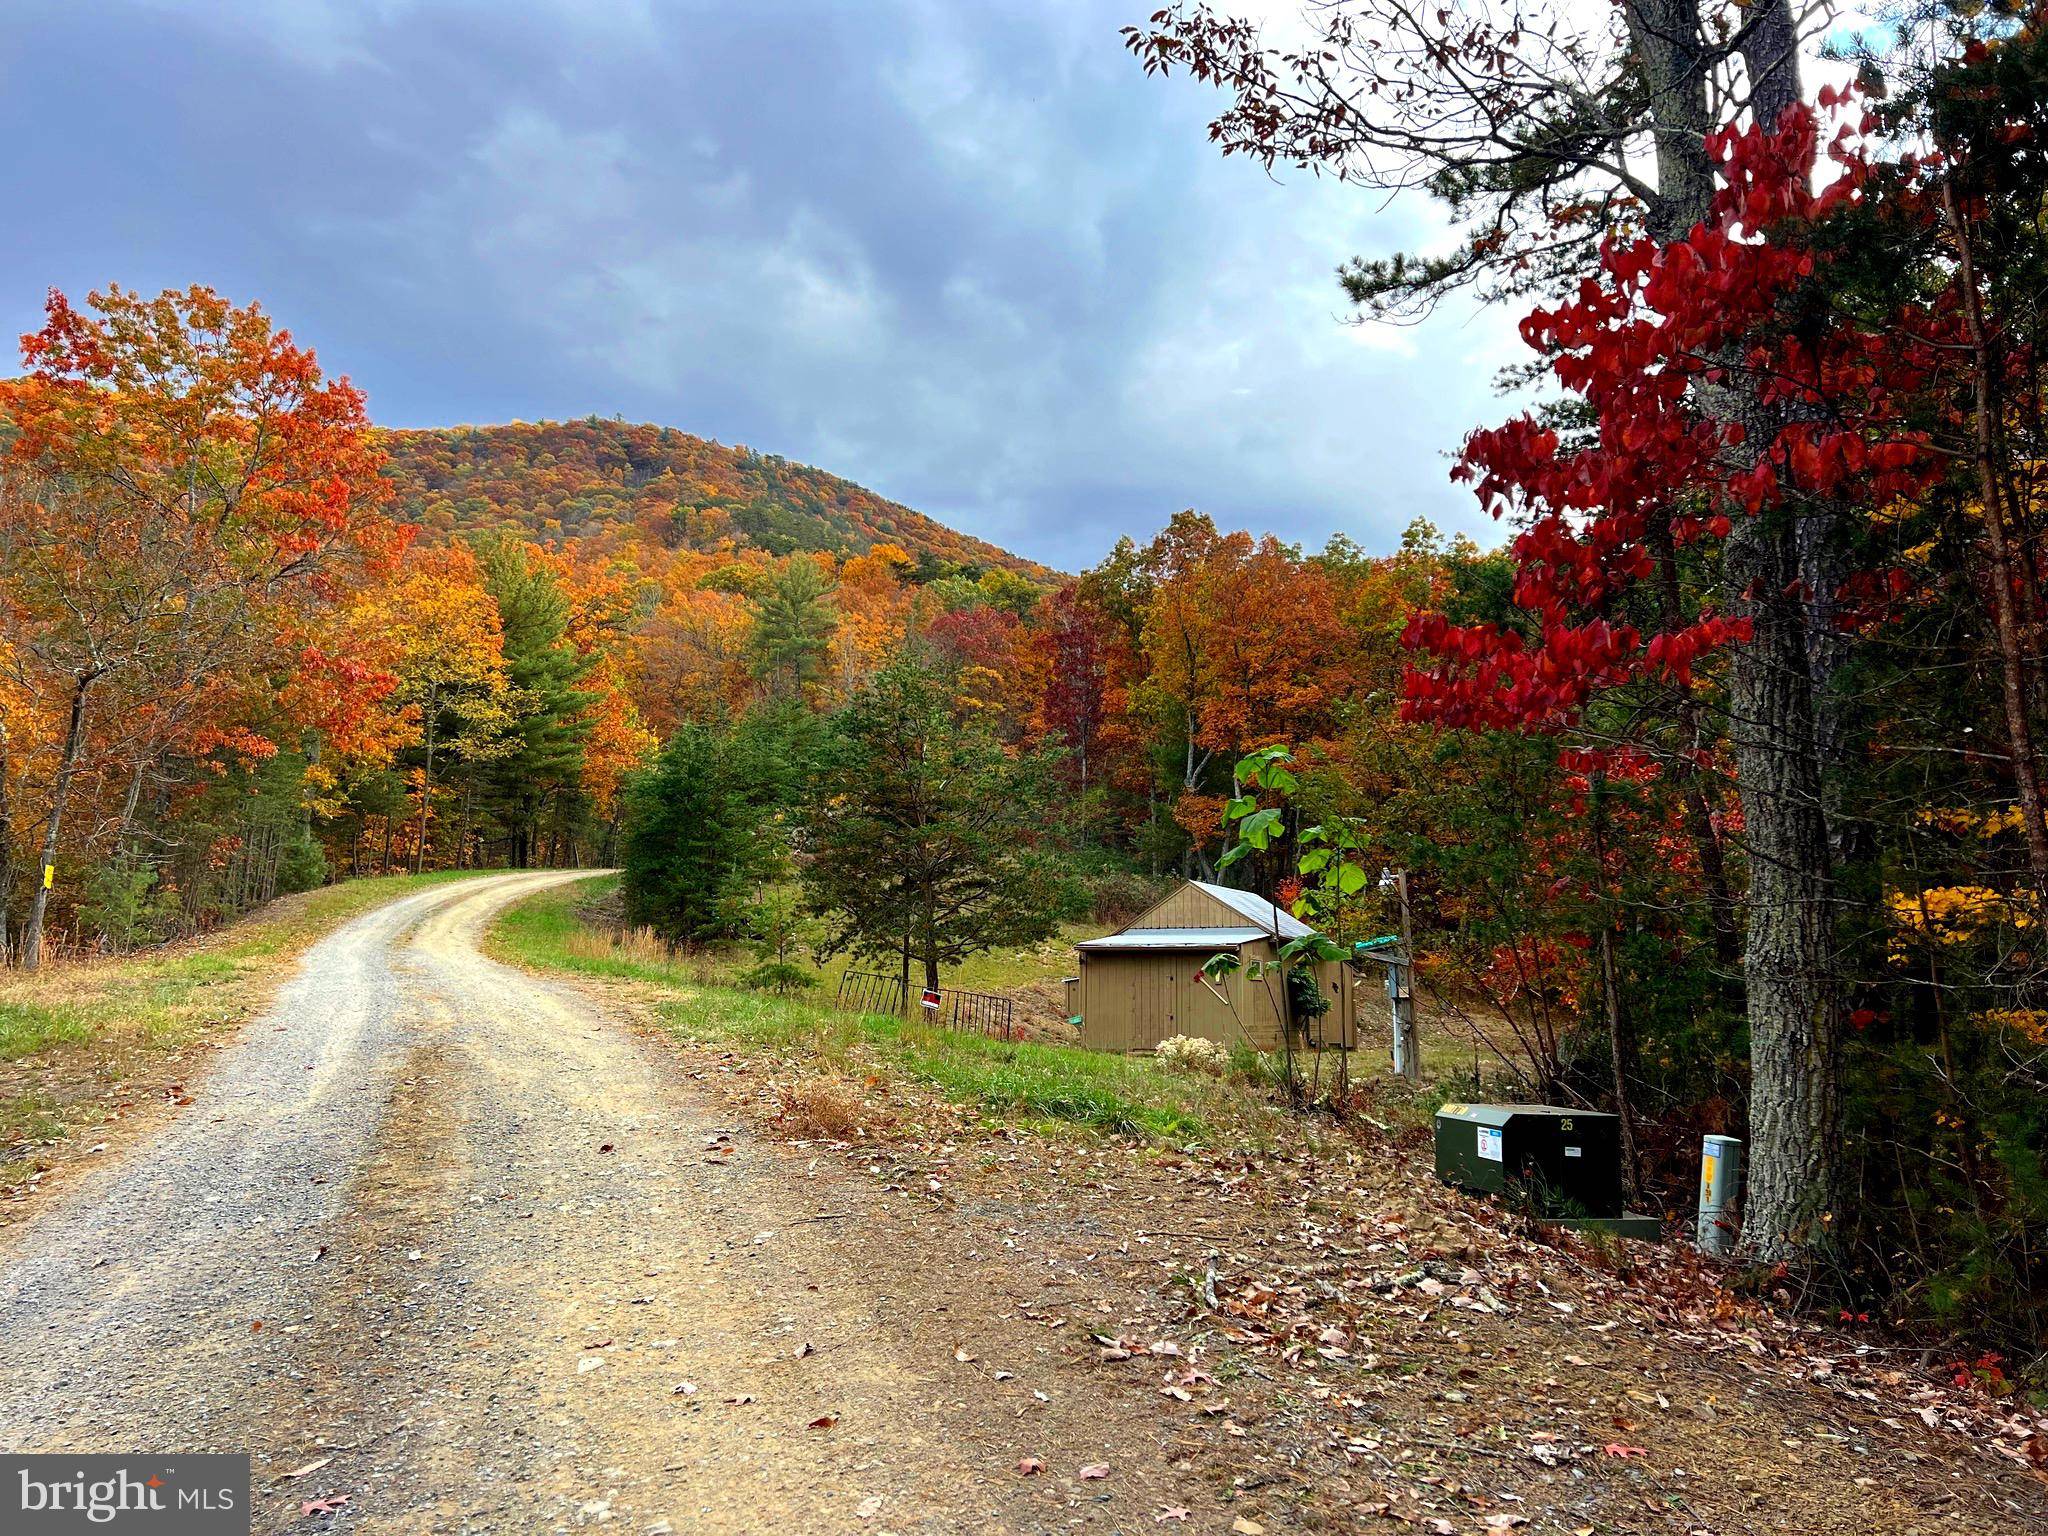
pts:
pixel 967 255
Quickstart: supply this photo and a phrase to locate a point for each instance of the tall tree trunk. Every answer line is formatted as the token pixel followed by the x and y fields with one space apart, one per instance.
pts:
pixel 129 802
pixel 1685 770
pixel 2002 577
pixel 67 766
pixel 419 857
pixel 1790 970
pixel 1786 716
pixel 1621 1045
pixel 1620 1039
pixel 6 847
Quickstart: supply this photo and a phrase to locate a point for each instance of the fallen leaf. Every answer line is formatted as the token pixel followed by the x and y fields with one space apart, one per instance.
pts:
pixel 960 1353
pixel 326 1506
pixel 1243 1527
pixel 257 1326
pixel 1030 1466
pixel 588 1364
pixel 1171 1512
pixel 1095 1469
pixel 606 1147
pixel 870 1506
pixel 311 1466
pixel 1616 1448
pixel 685 1389
pixel 823 1421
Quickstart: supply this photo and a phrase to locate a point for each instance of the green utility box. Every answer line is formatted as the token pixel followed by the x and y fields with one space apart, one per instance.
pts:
pixel 1565 1162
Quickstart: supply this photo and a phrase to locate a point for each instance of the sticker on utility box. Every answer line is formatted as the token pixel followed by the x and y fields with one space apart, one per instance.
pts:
pixel 1489 1143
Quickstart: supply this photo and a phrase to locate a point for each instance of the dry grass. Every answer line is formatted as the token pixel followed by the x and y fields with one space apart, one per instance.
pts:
pixel 823 1108
pixel 582 941
pixel 634 946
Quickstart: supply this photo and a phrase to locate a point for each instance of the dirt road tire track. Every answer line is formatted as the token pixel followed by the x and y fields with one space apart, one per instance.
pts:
pixel 502 1288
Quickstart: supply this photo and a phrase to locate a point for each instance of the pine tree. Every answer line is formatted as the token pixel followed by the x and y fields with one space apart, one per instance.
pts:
pixel 793 623
pixel 921 831
pixel 543 756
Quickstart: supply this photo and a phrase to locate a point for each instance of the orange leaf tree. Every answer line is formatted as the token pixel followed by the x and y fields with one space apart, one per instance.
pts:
pixel 179 482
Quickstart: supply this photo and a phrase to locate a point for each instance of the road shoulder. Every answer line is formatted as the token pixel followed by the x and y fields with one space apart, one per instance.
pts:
pixel 1325 1336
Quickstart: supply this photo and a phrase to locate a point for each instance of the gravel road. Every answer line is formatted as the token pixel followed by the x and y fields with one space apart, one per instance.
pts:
pixel 482 1258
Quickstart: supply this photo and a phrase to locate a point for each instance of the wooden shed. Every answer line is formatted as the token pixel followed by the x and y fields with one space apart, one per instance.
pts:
pixel 1144 983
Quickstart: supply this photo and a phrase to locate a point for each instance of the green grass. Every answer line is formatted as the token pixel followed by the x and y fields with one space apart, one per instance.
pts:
pixel 26 1028
pixel 1042 1086
pixel 998 970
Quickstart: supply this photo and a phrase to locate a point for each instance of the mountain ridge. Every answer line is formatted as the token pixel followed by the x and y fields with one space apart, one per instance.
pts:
pixel 563 481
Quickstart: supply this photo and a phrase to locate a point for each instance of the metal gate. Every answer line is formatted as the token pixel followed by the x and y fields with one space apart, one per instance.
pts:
pixel 983 1013
pixel 870 992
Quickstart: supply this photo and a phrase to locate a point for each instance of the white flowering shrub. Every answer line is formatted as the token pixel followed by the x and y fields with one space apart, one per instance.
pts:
pixel 1194 1054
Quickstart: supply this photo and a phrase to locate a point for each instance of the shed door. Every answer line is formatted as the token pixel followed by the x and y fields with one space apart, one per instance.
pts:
pixel 1158 1006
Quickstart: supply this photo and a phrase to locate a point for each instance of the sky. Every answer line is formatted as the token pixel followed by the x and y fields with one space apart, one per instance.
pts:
pixel 963 252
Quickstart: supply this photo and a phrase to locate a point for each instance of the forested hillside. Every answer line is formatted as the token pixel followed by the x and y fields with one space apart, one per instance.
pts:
pixel 1719 789
pixel 618 482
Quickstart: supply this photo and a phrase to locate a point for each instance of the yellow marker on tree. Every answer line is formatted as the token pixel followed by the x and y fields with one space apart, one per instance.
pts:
pixel 49 877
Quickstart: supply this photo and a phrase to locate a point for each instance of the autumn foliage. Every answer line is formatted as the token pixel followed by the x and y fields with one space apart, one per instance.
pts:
pixel 1717 789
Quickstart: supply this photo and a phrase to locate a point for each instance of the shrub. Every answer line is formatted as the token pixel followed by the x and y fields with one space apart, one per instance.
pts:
pixel 123 905
pixel 820 1109
pixel 777 976
pixel 1194 1054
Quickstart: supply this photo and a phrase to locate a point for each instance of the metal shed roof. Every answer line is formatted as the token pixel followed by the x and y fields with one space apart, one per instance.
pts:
pixel 1175 938
pixel 1258 909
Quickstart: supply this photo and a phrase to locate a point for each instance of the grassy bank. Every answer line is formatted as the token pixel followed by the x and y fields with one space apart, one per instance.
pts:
pixel 601 954
pixel 1042 1086
pixel 79 1039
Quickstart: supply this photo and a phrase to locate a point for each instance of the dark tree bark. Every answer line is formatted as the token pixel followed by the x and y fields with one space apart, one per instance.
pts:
pixel 2003 576
pixel 1524 124
pixel 6 848
pixel 419 855
pixel 67 767
pixel 1792 976
pixel 1791 744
